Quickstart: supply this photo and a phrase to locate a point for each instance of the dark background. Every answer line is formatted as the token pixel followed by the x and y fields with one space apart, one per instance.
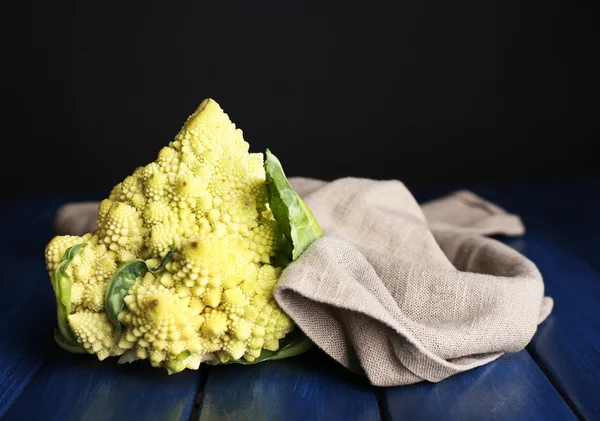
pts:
pixel 426 92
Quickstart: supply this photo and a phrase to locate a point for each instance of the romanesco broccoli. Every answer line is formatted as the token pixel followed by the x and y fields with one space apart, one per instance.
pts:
pixel 187 252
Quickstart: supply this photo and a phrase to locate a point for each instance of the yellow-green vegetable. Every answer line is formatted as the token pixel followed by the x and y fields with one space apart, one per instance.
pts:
pixel 186 255
pixel 62 286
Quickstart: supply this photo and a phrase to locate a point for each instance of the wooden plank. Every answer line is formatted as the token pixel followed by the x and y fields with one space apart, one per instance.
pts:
pixel 28 308
pixel 307 387
pixel 80 388
pixel 67 387
pixel 563 227
pixel 25 331
pixel 511 388
pixel 565 347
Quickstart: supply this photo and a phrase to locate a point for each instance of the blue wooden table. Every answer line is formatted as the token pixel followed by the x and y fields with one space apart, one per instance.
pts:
pixel 556 378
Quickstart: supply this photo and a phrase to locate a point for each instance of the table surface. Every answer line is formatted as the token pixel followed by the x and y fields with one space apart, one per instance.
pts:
pixel 557 377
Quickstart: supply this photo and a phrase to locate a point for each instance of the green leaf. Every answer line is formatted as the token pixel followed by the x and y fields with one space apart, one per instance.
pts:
pixel 300 229
pixel 66 345
pixel 297 223
pixel 123 279
pixel 294 343
pixel 61 284
pixel 178 364
pixel 164 261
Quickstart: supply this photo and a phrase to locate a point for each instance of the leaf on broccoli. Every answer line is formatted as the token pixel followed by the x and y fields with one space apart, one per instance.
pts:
pixel 297 223
pixel 66 345
pixel 178 364
pixel 294 343
pixel 123 279
pixel 61 284
pixel 168 257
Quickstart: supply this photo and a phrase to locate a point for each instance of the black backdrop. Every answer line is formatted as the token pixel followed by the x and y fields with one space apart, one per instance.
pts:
pixel 427 92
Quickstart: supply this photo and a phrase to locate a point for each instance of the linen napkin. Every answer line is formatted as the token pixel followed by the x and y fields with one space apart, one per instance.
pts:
pixel 397 291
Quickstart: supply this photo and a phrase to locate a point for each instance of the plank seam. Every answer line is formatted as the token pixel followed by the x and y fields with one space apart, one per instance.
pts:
pixel 382 413
pixel 554 382
pixel 204 374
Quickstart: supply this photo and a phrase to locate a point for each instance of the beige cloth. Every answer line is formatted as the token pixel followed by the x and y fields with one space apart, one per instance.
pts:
pixel 399 292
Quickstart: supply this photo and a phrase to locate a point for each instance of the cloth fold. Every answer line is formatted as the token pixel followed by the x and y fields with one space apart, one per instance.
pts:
pixel 397 291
